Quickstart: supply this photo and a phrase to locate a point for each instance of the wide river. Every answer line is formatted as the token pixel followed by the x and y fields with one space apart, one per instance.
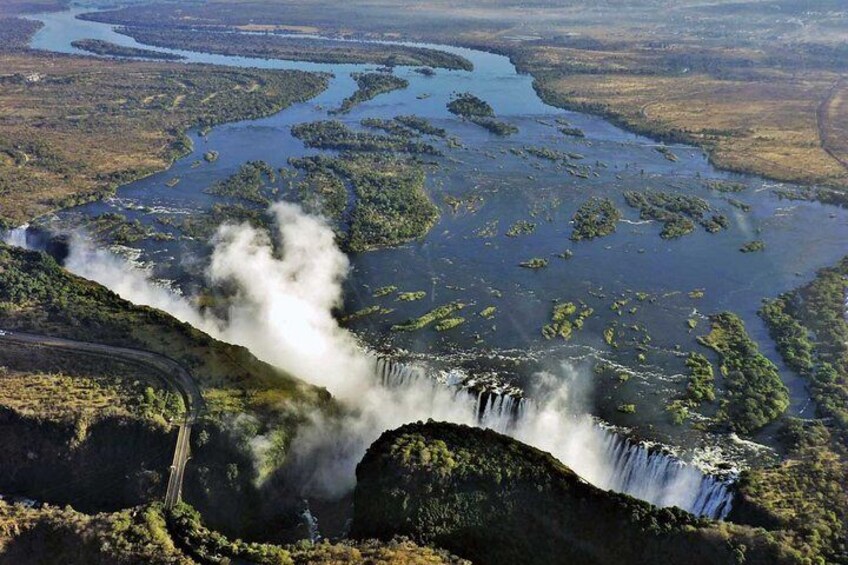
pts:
pixel 455 262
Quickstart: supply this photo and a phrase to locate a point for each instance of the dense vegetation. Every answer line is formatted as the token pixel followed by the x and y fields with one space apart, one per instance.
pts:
pixel 494 500
pixel 435 315
pixel 469 106
pixel 755 393
pixel 247 183
pixel 371 85
pixel 806 492
pixel 565 318
pixel 478 111
pixel 336 135
pixel 811 332
pixel 269 46
pixel 390 204
pixel 15 33
pixel 677 212
pixel 100 47
pixel 149 534
pixel 89 125
pixel 596 217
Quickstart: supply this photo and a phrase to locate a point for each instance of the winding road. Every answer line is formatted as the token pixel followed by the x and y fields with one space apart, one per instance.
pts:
pixel 171 372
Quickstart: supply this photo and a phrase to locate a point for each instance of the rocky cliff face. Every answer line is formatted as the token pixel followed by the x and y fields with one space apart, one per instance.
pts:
pixel 119 463
pixel 493 500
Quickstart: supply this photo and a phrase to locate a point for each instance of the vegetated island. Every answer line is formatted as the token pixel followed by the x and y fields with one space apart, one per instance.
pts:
pixel 388 203
pixel 677 212
pixel 270 46
pixel 107 48
pixel 596 217
pixel 756 395
pixel 478 111
pixel 369 86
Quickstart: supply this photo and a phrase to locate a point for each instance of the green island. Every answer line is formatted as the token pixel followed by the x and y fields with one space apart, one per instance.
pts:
pixel 443 312
pixel 753 246
pixel 521 227
pixel 596 217
pixel 534 263
pixel 755 394
pixel 107 48
pixel 204 225
pixel 385 291
pixel 677 212
pixel 271 46
pixel 478 111
pixel 421 125
pixel 371 85
pixel 247 183
pixel 390 206
pixel 565 318
pixel 411 296
pixel 111 228
pixel 471 491
pixel 332 134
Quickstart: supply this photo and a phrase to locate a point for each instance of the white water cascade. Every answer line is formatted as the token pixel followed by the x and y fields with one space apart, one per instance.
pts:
pixel 607 459
pixel 17 236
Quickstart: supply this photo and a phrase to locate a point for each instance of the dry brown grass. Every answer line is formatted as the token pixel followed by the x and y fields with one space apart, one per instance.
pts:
pixel 86 125
pixel 764 122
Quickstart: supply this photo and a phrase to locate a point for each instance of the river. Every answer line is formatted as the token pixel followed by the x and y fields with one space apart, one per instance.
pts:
pixel 454 263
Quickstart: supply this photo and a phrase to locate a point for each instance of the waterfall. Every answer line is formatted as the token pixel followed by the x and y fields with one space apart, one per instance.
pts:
pixel 607 459
pixel 492 408
pixel 661 478
pixel 310 522
pixel 17 236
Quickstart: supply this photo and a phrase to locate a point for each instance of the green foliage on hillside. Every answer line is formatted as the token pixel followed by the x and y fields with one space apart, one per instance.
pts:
pixel 38 296
pixel 755 393
pixel 494 500
pixel 806 494
pixel 151 535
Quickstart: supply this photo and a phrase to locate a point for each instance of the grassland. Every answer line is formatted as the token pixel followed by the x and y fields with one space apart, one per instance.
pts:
pixel 80 127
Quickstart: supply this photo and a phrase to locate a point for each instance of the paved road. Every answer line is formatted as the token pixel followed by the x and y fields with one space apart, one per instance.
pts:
pixel 169 370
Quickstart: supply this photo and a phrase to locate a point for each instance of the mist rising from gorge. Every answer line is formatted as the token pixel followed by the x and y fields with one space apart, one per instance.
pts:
pixel 283 292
